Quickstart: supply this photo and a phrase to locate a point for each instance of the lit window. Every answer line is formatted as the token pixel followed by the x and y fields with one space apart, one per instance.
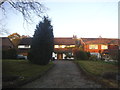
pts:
pixel 104 47
pixel 72 45
pixel 24 46
pixel 62 46
pixel 56 46
pixel 93 46
pixel 59 46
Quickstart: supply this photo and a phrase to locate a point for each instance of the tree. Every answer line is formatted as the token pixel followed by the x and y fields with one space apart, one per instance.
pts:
pixel 3 29
pixel 42 43
pixel 9 54
pixel 15 38
pixel 25 36
pixel 27 8
pixel 80 54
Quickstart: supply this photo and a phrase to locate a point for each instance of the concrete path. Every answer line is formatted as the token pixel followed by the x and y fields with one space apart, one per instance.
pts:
pixel 65 74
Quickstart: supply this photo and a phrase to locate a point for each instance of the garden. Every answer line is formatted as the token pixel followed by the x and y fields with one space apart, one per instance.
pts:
pixel 19 72
pixel 101 71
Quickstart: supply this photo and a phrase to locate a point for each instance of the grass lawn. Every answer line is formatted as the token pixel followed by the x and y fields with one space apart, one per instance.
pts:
pixel 23 69
pixel 98 68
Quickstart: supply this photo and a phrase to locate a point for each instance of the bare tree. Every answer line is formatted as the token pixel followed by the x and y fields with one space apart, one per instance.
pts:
pixel 3 30
pixel 26 7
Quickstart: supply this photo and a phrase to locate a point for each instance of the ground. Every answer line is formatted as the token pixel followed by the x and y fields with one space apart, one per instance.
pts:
pixel 65 74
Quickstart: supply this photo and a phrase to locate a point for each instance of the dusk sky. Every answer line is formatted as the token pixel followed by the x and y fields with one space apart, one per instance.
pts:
pixel 84 18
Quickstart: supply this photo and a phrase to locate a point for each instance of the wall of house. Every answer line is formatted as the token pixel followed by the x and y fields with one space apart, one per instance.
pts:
pixel 59 50
pixel 113 47
pixel 63 46
pixel 100 48
pixel 6 44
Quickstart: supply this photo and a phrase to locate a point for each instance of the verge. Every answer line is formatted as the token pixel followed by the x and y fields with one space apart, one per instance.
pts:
pixel 17 84
pixel 104 82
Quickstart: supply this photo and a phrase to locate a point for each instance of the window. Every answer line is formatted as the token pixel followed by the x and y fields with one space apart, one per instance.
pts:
pixel 104 47
pixel 93 46
pixel 56 46
pixel 59 46
pixel 72 45
pixel 24 46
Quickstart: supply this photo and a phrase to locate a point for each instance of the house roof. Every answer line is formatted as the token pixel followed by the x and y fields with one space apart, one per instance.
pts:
pixel 61 50
pixel 57 41
pixel 71 41
pixel 6 43
pixel 100 41
pixel 25 41
pixel 64 41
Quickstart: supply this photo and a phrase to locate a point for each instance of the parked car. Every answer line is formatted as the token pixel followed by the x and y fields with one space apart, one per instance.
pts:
pixel 96 54
pixel 21 57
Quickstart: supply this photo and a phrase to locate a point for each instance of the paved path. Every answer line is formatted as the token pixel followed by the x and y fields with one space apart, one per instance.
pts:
pixel 65 74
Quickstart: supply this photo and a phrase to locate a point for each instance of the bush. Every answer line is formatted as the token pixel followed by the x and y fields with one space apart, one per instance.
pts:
pixel 9 54
pixel 88 54
pixel 110 75
pixel 80 55
pixel 93 57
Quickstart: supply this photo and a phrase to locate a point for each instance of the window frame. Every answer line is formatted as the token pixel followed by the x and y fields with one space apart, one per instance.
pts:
pixel 95 46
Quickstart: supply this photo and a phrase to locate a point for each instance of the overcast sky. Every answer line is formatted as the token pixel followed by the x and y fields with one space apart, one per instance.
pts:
pixel 88 19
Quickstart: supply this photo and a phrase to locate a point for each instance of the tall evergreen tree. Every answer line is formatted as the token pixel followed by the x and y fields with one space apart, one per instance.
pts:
pixel 42 43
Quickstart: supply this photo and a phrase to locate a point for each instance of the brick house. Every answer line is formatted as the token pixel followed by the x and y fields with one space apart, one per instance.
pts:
pixel 6 43
pixel 100 45
pixel 24 46
pixel 8 48
pixel 61 46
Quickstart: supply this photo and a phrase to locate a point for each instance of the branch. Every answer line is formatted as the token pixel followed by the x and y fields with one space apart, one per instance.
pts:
pixel 27 8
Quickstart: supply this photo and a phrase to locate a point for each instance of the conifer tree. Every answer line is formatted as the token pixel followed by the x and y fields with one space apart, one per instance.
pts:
pixel 42 43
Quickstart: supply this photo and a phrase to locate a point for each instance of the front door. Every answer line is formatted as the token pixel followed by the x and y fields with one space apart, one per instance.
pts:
pixel 59 56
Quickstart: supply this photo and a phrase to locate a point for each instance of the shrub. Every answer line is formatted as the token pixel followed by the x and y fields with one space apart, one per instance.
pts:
pixel 110 75
pixel 9 54
pixel 93 57
pixel 80 55
pixel 88 54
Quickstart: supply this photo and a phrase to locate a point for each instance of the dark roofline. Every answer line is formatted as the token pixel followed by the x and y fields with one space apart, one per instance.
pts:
pixel 8 39
pixel 28 42
pixel 93 39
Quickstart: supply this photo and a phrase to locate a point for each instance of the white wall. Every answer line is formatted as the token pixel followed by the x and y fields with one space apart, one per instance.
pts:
pixel 54 55
pixel 64 56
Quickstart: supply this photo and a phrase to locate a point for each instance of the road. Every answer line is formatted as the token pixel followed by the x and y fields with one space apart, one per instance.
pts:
pixel 65 74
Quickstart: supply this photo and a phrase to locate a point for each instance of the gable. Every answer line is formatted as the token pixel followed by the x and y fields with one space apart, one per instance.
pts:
pixel 7 43
pixel 106 41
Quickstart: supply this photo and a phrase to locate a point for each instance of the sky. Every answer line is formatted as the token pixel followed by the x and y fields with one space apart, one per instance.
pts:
pixel 84 18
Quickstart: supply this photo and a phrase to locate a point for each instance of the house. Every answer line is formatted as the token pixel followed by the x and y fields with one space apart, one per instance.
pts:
pixel 100 45
pixel 24 46
pixel 61 46
pixel 64 45
pixel 6 43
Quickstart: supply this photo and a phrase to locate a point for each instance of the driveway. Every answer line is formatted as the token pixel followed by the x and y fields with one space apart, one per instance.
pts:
pixel 65 74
